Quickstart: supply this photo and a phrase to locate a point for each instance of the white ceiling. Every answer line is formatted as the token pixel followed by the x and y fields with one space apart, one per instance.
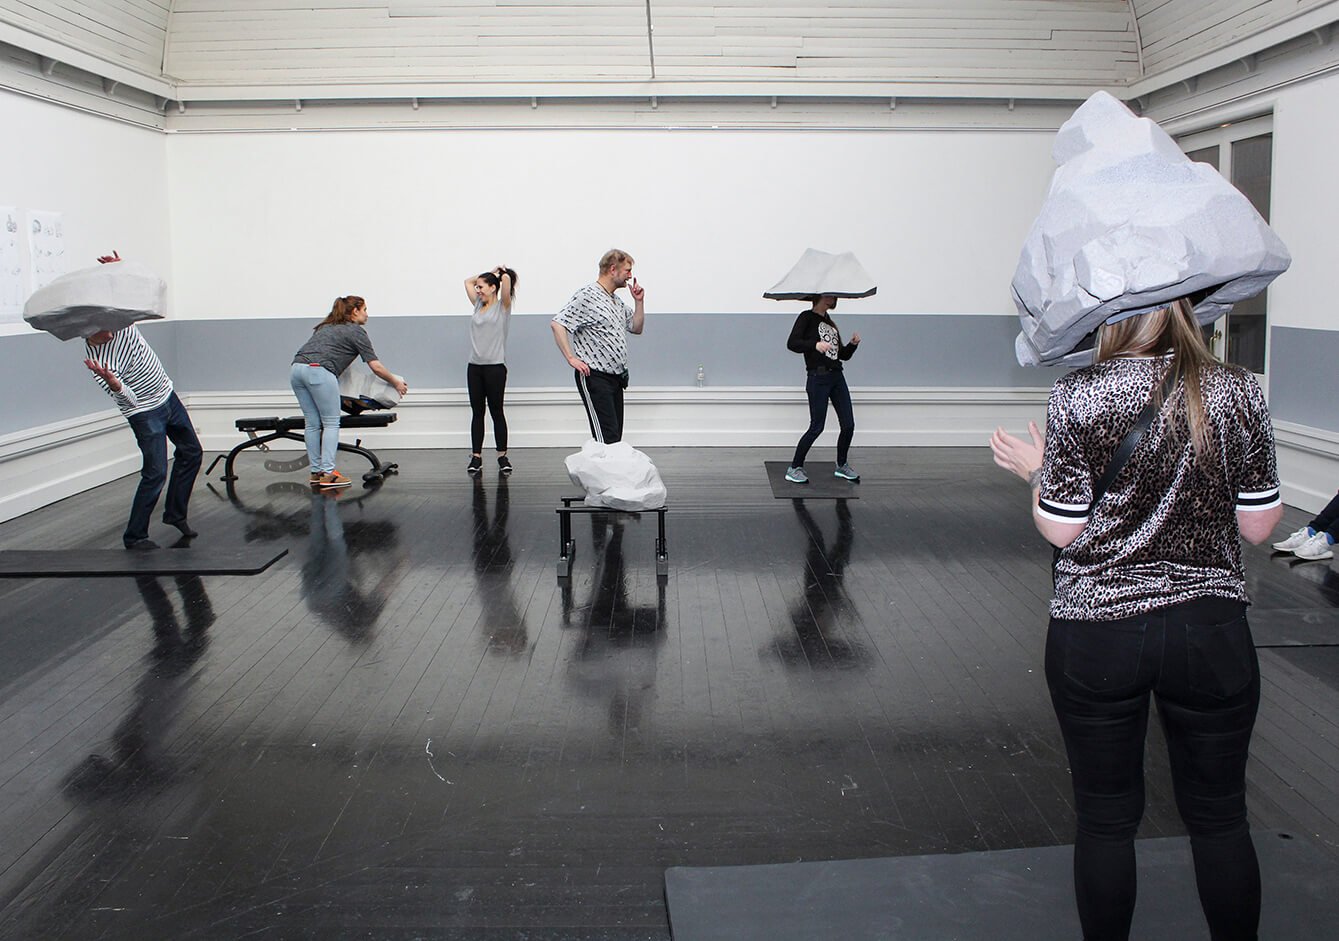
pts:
pixel 273 49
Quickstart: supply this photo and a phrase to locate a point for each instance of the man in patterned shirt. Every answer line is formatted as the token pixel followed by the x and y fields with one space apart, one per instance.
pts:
pixel 126 367
pixel 591 331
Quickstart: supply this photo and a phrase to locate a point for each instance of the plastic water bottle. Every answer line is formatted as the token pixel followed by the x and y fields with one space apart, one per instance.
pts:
pixel 701 377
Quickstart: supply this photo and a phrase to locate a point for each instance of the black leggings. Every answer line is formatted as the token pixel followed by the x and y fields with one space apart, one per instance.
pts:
pixel 821 388
pixel 1198 661
pixel 486 385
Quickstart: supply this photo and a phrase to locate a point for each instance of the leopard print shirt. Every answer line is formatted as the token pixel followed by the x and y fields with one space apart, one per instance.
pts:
pixel 1166 530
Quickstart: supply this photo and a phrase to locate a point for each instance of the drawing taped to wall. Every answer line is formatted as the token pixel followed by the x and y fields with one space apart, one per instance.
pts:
pixel 11 267
pixel 46 247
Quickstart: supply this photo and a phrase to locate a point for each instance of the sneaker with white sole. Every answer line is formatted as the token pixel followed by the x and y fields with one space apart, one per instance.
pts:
pixel 333 481
pixel 846 472
pixel 1316 548
pixel 1295 540
pixel 796 475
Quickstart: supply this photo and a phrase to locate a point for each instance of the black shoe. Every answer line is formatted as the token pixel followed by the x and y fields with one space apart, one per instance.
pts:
pixel 141 545
pixel 503 465
pixel 476 465
pixel 184 526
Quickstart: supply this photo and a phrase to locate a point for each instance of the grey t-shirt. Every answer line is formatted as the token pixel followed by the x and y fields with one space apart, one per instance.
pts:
pixel 488 333
pixel 335 345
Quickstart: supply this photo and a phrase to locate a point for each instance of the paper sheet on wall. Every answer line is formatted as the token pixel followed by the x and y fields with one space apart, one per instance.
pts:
pixel 46 247
pixel 11 267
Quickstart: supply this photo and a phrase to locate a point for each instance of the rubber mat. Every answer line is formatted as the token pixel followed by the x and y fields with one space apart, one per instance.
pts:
pixel 109 563
pixel 822 484
pixel 1007 895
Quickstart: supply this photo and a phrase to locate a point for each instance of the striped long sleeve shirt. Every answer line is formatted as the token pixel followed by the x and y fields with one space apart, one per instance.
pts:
pixel 144 383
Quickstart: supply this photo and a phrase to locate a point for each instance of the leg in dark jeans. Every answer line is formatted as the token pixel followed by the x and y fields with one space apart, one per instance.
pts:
pixel 602 396
pixel 1328 518
pixel 151 435
pixel 1100 689
pixel 474 383
pixel 186 455
pixel 841 402
pixel 818 387
pixel 1207 701
pixel 1196 658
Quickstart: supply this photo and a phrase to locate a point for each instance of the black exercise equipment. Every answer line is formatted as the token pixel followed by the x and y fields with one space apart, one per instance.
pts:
pixel 291 429
pixel 567 546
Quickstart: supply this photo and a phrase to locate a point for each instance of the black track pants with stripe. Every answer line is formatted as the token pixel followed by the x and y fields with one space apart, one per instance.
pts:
pixel 602 395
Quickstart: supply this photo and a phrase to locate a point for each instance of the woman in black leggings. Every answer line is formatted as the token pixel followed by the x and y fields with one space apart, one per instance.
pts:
pixel 817 338
pixel 491 293
pixel 1150 602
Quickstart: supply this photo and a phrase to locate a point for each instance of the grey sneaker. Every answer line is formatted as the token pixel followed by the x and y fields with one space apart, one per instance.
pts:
pixel 1316 548
pixel 846 472
pixel 1295 540
pixel 796 475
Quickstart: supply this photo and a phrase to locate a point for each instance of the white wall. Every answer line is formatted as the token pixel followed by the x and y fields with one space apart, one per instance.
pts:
pixel 107 178
pixel 275 225
pixel 1305 203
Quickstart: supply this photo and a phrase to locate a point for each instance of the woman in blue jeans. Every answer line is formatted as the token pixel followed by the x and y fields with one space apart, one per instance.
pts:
pixel 817 338
pixel 314 376
pixel 1150 601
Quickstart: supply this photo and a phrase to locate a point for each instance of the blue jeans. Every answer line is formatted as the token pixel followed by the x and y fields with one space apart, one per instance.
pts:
pixel 821 388
pixel 152 431
pixel 317 389
pixel 1198 661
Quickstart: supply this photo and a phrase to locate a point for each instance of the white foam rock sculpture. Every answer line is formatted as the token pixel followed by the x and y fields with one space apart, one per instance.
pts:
pixel 818 273
pixel 1129 224
pixel 617 476
pixel 90 300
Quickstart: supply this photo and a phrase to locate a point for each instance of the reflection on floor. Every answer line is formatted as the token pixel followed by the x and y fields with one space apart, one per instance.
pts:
pixel 410 727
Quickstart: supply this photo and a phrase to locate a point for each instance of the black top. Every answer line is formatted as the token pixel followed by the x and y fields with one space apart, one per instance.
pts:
pixel 809 329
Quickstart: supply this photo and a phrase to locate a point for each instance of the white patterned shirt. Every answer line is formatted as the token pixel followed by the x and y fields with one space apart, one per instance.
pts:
pixel 598 324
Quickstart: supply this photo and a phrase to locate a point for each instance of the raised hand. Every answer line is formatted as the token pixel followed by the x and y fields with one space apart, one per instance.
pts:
pixel 103 373
pixel 636 290
pixel 1015 455
pixel 108 259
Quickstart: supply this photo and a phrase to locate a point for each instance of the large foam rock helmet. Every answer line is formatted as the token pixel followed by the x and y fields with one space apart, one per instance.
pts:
pixel 1130 224
pixel 101 298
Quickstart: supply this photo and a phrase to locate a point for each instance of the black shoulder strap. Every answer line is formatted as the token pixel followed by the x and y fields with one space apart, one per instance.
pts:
pixel 1131 440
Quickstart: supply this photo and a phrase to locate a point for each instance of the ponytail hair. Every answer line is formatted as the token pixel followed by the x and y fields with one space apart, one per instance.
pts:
pixel 1172 328
pixel 343 310
pixel 492 279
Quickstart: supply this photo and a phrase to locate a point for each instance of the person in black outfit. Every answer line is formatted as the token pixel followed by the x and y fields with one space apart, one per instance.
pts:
pixel 817 338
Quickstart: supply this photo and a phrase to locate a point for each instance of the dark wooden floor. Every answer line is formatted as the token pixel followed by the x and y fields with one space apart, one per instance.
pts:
pixel 409 728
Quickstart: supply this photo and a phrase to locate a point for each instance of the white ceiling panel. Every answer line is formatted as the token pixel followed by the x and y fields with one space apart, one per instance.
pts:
pixel 128 33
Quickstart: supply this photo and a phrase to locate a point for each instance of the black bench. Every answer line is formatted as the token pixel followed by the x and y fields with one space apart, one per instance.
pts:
pixel 292 429
pixel 567 546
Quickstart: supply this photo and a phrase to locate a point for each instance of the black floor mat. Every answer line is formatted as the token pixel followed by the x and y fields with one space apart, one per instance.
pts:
pixel 822 484
pixel 1008 895
pixel 106 563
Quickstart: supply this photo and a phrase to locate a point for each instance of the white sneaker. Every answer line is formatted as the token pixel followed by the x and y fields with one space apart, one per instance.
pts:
pixel 1316 548
pixel 1295 540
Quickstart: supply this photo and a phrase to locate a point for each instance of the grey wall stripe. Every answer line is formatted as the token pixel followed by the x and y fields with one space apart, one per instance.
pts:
pixel 46 377
pixel 1301 375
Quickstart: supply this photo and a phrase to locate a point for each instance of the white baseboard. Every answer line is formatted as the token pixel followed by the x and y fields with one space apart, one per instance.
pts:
pixel 42 465
pixel 665 417
pixel 1308 465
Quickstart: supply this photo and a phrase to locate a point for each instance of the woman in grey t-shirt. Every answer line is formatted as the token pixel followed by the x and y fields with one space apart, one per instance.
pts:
pixel 491 293
pixel 314 376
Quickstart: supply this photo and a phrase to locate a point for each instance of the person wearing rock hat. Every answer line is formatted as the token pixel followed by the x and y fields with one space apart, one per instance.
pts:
pixel 1150 592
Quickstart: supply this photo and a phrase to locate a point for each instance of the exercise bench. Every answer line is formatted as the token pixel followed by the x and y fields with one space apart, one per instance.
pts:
pixel 567 545
pixel 292 428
